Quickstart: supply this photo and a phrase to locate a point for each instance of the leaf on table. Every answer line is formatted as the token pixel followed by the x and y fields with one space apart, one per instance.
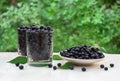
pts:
pixel 67 65
pixel 56 57
pixel 19 59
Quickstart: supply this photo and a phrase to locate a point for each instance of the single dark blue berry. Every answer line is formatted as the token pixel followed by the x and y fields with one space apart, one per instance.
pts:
pixel 41 27
pixel 22 27
pixel 17 64
pixel 106 68
pixel 54 67
pixel 32 25
pixel 92 49
pixel 59 64
pixel 97 49
pixel 84 46
pixel 102 66
pixel 83 69
pixel 21 67
pixel 48 28
pixel 50 65
pixel 111 65
pixel 101 56
pixel 71 67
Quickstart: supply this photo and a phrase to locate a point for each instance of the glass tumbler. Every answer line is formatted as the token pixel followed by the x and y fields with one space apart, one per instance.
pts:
pixel 39 46
pixel 22 41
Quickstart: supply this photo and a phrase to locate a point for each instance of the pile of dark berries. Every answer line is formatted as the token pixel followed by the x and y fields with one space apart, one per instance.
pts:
pixel 39 43
pixel 22 50
pixel 21 67
pixel 82 52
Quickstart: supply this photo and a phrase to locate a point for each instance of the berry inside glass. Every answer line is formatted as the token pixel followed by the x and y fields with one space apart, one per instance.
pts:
pixel 22 41
pixel 39 46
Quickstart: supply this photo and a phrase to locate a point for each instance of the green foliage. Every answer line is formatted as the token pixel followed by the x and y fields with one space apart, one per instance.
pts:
pixel 56 57
pixel 19 59
pixel 67 65
pixel 75 22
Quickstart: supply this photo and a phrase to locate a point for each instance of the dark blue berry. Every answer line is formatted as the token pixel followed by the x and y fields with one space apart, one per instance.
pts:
pixel 106 68
pixel 21 67
pixel 41 27
pixel 50 65
pixel 83 69
pixel 17 64
pixel 102 66
pixel 54 67
pixel 96 49
pixel 48 28
pixel 59 64
pixel 22 27
pixel 71 67
pixel 111 65
pixel 101 56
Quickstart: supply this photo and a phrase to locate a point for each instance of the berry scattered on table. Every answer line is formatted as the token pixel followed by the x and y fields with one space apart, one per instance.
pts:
pixel 83 69
pixel 17 64
pixel 59 64
pixel 102 66
pixel 111 65
pixel 54 67
pixel 71 67
pixel 82 52
pixel 106 68
pixel 21 67
pixel 50 65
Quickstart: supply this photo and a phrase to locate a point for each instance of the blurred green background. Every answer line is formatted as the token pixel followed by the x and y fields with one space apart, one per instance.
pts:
pixel 75 22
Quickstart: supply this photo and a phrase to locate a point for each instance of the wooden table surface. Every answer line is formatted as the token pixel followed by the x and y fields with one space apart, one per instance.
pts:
pixel 9 72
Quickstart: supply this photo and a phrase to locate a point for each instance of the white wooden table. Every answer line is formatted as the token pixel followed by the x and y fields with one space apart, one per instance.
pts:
pixel 9 72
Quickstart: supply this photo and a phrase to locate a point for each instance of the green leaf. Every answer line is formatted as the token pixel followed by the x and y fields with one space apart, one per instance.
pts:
pixel 67 65
pixel 56 57
pixel 19 59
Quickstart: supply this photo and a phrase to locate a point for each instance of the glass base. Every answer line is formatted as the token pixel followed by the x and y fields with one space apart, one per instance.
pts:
pixel 40 63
